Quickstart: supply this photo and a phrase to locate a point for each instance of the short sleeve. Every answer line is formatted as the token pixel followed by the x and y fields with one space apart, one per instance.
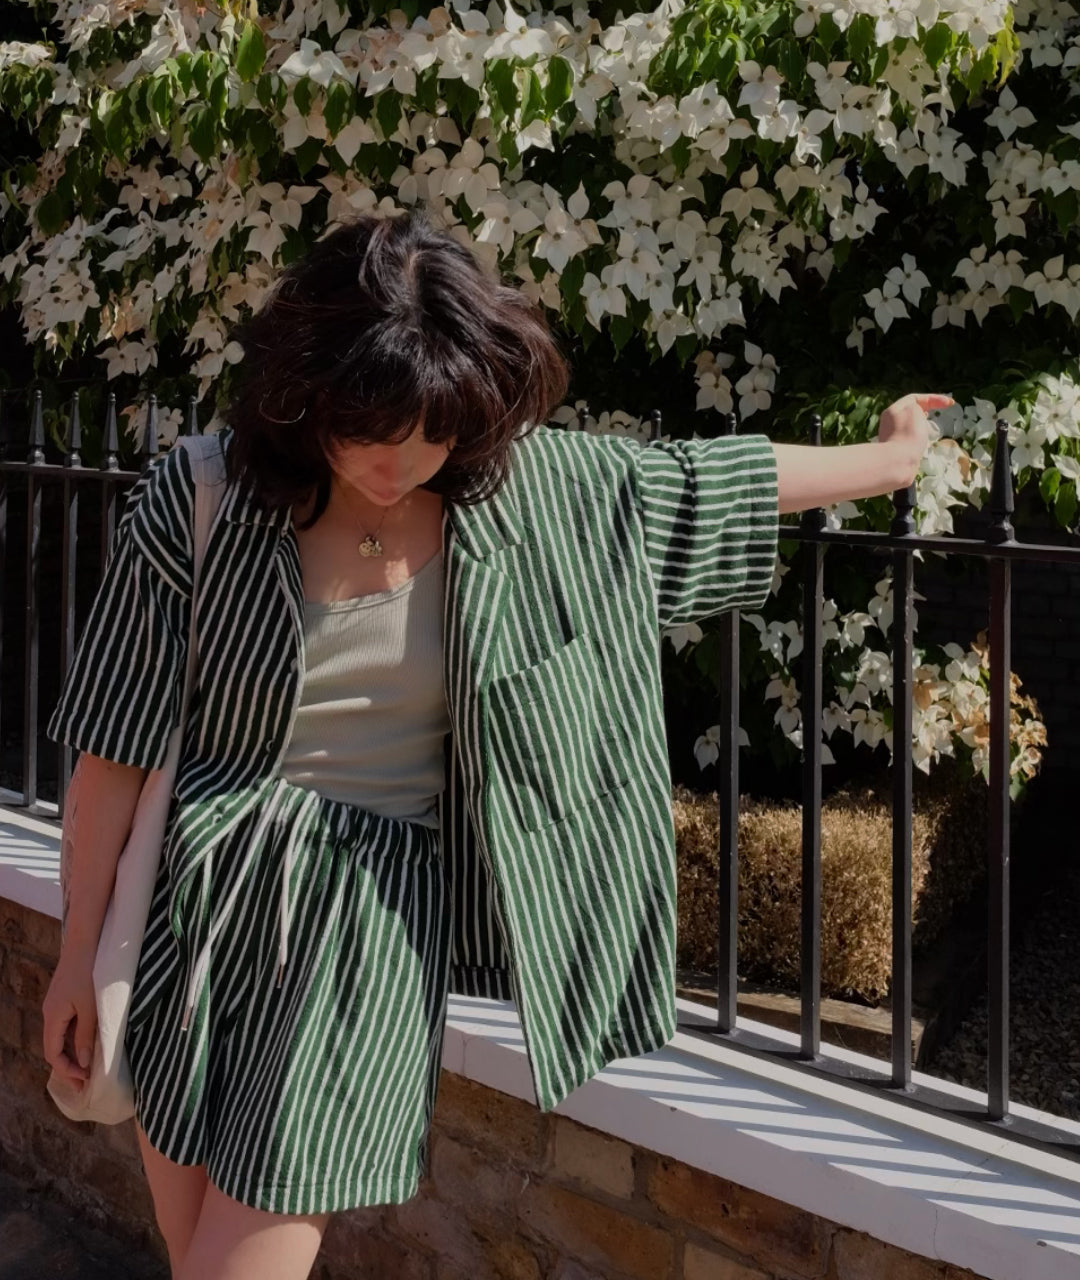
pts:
pixel 711 518
pixel 121 696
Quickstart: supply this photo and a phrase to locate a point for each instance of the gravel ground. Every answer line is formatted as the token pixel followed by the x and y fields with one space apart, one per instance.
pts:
pixel 1044 1051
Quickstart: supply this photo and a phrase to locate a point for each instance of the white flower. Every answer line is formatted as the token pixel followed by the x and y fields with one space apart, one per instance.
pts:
pixel 469 174
pixel 789 714
pixel 687 633
pixel 567 231
pixel 707 749
pixel 504 221
pixel 315 62
pixel 714 389
pixel 909 278
pixel 811 11
pixel 602 297
pixel 1008 116
pixel 755 386
pixel 886 304
pixel 725 128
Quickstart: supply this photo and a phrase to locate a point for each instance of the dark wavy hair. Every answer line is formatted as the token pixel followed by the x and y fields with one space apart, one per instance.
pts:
pixel 386 323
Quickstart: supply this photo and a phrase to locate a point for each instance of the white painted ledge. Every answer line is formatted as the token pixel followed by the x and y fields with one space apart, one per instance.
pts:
pixel 939 1188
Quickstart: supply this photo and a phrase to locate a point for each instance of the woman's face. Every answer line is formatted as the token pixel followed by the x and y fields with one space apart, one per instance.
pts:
pixel 385 473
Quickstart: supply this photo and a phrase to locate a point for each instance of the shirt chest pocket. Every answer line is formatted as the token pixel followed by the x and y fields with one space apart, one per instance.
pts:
pixel 554 735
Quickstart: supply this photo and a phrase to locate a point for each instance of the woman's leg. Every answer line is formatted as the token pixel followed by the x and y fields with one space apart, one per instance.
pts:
pixel 177 1191
pixel 232 1241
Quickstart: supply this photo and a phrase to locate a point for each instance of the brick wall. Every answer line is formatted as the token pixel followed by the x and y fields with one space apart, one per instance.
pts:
pixel 512 1194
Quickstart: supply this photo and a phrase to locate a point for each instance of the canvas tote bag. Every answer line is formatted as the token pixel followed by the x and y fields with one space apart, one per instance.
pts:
pixel 106 1095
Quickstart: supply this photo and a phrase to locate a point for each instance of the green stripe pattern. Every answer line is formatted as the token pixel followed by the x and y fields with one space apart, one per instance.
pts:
pixel 315 1095
pixel 556 832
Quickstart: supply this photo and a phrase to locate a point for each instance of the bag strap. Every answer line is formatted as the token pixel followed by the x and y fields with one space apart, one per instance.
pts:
pixel 208 466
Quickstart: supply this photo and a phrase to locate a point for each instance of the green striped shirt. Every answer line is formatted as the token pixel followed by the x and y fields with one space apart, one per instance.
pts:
pixel 555 821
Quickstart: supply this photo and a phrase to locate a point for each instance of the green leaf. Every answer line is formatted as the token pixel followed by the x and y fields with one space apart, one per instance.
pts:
pixel 303 93
pixel 570 281
pixel 261 133
pixel 758 27
pixel 532 105
pixel 250 51
pixel 264 91
pixel 1019 300
pixel 938 43
pixel 118 132
pixel 52 213
pixel 202 133
pixel 679 152
pixel 219 91
pixel 1049 484
pixel 826 33
pixel 200 72
pixel 621 329
pixel 307 154
pixel 560 84
pixel 388 111
pixel 499 74
pixel 508 149
pixel 1065 505
pixel 860 36
pixel 426 93
pixel 338 106
pixel 687 346
pixel 791 63
pixel 161 101
pixel 184 71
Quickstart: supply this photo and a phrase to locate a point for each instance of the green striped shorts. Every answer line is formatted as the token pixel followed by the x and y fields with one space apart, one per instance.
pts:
pixel 315 1095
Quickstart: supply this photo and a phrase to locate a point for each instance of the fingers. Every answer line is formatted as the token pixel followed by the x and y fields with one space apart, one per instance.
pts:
pixel 933 400
pixel 58 1041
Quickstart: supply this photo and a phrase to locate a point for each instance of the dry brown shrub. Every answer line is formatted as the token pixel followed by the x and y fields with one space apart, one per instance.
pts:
pixel 856 886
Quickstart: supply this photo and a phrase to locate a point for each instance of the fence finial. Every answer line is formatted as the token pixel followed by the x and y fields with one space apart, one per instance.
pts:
pixel 1001 487
pixel 191 428
pixel 149 448
pixel 36 453
pixel 109 461
pixel 74 440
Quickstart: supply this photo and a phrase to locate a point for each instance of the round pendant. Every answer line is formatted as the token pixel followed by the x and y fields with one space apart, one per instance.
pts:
pixel 371 546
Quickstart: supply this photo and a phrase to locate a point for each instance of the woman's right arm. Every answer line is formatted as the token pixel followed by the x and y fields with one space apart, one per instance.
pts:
pixel 100 823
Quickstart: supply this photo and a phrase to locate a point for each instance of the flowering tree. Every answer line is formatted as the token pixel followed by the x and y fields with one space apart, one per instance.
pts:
pixel 789 207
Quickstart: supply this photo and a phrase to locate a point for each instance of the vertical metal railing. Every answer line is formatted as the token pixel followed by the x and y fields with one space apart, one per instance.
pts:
pixel 68 560
pixel 903 584
pixel 727 923
pixel 813 553
pixel 1000 534
pixel 35 458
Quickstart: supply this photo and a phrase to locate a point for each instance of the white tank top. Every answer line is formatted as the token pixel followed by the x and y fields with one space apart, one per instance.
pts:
pixel 372 717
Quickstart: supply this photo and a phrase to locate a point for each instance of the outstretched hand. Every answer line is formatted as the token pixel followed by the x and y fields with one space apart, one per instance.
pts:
pixel 905 428
pixel 812 476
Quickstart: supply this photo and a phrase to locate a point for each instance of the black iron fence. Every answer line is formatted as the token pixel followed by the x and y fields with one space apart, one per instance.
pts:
pixel 104 484
pixel 999 548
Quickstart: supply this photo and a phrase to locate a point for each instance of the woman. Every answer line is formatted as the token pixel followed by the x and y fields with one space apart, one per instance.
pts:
pixel 425 751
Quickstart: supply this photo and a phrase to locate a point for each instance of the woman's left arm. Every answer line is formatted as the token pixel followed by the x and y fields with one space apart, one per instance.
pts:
pixel 810 476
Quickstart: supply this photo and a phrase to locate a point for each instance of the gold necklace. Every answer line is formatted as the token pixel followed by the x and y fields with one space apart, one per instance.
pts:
pixel 370 545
